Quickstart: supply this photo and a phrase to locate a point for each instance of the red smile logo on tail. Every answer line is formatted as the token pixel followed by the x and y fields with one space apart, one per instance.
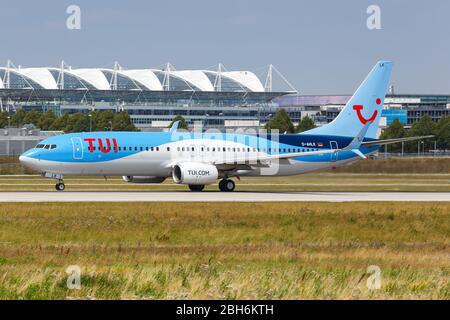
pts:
pixel 359 107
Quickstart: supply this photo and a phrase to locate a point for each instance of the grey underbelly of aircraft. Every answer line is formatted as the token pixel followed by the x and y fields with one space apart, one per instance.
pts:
pixel 156 168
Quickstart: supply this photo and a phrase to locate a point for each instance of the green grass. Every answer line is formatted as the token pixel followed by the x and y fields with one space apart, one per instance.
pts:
pixel 225 250
pixel 308 182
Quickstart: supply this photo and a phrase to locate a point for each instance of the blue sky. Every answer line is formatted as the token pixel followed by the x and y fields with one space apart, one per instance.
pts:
pixel 322 47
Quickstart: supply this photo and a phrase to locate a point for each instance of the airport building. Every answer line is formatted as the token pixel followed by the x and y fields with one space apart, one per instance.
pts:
pixel 407 108
pixel 14 141
pixel 218 98
pixel 153 97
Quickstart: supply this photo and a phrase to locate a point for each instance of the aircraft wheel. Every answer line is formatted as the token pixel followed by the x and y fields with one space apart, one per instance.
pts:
pixel 196 187
pixel 60 186
pixel 227 185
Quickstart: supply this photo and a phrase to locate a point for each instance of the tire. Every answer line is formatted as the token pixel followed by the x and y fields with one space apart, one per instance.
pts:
pixel 196 187
pixel 227 185
pixel 60 187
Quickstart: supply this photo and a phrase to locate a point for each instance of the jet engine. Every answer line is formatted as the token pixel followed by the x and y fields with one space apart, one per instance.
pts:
pixel 194 173
pixel 143 179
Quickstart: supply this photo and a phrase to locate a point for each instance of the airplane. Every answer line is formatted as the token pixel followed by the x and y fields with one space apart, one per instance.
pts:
pixel 199 159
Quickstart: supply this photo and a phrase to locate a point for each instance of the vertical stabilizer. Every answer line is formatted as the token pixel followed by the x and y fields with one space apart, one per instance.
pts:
pixel 363 107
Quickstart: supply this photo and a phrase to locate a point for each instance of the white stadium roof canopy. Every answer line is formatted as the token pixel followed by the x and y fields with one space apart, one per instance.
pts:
pixel 150 79
pixel 195 77
pixel 145 77
pixel 95 77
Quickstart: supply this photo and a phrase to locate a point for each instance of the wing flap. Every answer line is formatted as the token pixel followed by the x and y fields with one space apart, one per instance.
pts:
pixel 258 158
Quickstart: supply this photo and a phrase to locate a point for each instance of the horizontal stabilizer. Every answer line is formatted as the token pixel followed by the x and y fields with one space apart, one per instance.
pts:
pixel 390 141
pixel 359 153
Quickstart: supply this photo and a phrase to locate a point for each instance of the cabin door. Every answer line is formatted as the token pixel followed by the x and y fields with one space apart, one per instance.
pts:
pixel 77 148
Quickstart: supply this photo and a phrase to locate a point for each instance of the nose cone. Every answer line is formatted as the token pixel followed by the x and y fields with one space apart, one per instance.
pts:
pixel 28 159
pixel 25 161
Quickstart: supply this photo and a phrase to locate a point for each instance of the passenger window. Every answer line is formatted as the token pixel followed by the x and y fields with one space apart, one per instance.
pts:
pixel 168 148
pixel 151 148
pixel 192 149
pixel 213 149
pixel 142 149
pixel 146 148
pixel 157 148
pixel 130 148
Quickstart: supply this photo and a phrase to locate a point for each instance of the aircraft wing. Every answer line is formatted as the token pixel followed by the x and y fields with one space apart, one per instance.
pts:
pixel 259 158
pixel 389 141
pixel 246 160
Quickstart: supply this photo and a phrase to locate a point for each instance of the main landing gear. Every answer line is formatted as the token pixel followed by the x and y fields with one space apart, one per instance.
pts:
pixel 227 185
pixel 196 187
pixel 60 186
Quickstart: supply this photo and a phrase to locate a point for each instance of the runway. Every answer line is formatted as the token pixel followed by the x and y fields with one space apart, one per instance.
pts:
pixel 211 196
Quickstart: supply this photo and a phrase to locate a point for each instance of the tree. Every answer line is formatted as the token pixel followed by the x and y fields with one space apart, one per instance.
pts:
pixel 46 120
pixel 102 120
pixel 18 118
pixel 122 122
pixel 281 121
pixel 4 121
pixel 393 131
pixel 183 125
pixel 60 123
pixel 442 133
pixel 32 117
pixel 306 123
pixel 78 122
pixel 424 127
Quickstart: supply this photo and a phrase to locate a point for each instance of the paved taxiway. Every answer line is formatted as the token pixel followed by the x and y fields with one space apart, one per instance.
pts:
pixel 209 196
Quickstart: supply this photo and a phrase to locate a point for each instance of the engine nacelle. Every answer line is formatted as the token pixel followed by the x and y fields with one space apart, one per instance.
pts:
pixel 143 179
pixel 195 173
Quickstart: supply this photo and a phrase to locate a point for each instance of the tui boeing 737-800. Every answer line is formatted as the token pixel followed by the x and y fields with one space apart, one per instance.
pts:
pixel 199 159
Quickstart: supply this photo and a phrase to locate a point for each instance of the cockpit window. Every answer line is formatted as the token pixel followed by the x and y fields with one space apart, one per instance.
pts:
pixel 47 146
pixel 52 146
pixel 40 146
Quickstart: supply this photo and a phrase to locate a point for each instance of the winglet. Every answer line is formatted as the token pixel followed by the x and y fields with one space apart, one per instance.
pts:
pixel 174 126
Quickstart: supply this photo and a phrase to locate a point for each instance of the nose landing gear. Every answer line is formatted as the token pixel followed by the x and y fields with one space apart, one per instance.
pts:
pixel 227 185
